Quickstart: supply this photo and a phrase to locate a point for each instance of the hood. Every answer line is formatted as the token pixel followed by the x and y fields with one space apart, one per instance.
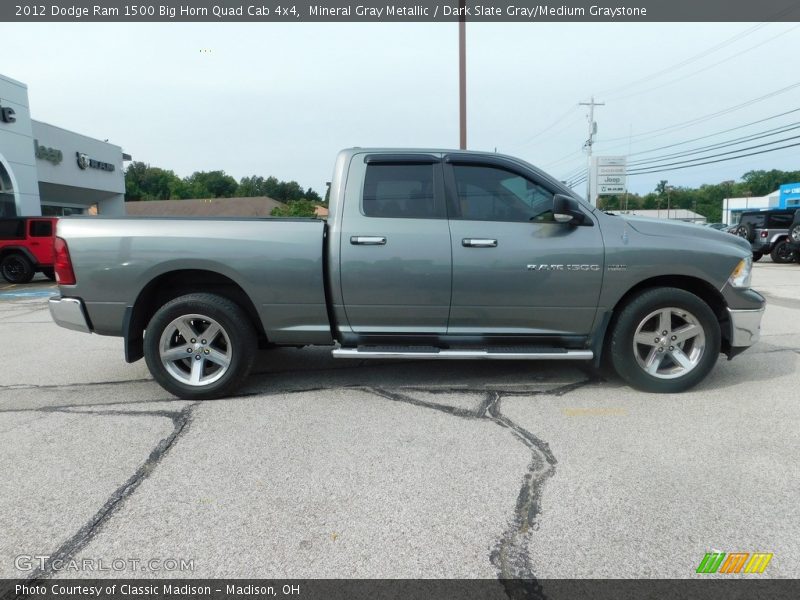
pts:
pixel 664 228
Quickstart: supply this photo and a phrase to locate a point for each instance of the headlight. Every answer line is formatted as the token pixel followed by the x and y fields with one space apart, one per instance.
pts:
pixel 740 278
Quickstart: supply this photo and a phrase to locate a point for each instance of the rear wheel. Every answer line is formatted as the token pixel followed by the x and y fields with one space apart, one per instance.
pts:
pixel 757 256
pixel 782 252
pixel 665 340
pixel 49 273
pixel 16 268
pixel 200 346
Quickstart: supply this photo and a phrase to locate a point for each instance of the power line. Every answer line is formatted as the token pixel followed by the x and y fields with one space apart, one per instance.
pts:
pixel 575 182
pixel 706 68
pixel 717 146
pixel 685 124
pixel 704 137
pixel 687 61
pixel 661 168
pixel 562 159
pixel 549 127
pixel 574 171
pixel 719 160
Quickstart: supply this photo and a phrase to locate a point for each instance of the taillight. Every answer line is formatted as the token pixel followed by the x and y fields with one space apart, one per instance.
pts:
pixel 63 265
pixel 764 233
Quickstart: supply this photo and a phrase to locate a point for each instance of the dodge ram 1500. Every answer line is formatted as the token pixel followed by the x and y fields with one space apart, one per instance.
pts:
pixel 426 254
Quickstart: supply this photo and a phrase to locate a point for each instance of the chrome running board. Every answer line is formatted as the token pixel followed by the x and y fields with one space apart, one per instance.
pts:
pixel 427 352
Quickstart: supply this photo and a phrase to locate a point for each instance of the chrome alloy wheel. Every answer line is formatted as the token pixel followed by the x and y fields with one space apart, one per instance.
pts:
pixel 669 343
pixel 195 350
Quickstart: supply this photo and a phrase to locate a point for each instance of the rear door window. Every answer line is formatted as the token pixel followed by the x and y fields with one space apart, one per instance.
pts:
pixel 401 191
pixel 41 228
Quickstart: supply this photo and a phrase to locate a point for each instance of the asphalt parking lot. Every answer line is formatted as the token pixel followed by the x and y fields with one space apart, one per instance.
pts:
pixel 324 468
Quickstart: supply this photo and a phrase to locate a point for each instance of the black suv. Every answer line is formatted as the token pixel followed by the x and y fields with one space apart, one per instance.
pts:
pixel 794 235
pixel 767 231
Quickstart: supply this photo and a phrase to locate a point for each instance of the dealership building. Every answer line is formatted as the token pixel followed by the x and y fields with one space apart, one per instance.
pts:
pixel 47 170
pixel 787 196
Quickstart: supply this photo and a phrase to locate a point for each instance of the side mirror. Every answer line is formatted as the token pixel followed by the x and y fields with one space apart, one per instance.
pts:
pixel 567 210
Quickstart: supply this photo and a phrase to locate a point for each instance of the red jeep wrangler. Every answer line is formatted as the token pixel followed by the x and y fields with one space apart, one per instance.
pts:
pixel 26 247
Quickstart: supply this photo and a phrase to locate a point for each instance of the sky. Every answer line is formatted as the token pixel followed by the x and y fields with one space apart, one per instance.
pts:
pixel 282 99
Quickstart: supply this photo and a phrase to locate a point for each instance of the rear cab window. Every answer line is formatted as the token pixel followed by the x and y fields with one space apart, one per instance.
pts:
pixel 402 191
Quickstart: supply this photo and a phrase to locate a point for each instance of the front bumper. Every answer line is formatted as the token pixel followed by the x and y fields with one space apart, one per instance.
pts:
pixel 69 313
pixel 745 327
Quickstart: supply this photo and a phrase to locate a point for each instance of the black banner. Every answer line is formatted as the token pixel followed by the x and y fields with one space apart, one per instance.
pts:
pixel 521 11
pixel 729 588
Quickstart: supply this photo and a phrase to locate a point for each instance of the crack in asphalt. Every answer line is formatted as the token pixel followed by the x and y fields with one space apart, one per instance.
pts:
pixel 510 555
pixel 46 386
pixel 180 424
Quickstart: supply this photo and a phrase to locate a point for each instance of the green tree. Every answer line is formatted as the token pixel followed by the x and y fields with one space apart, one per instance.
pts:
pixel 143 182
pixel 251 186
pixel 761 183
pixel 295 208
pixel 211 184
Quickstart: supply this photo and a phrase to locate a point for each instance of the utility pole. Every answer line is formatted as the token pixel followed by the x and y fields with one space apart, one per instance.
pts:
pixel 462 77
pixel 588 145
pixel 669 198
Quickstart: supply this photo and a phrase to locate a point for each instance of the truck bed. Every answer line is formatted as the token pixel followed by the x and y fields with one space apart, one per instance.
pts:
pixel 277 262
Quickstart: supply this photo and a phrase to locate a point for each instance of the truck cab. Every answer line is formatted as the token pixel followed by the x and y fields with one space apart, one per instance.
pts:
pixel 459 247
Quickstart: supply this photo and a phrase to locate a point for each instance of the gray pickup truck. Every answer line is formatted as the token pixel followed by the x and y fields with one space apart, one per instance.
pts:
pixel 427 254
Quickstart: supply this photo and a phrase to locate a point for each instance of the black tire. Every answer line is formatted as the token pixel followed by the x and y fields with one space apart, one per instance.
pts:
pixel 49 273
pixel 782 252
pixel 794 233
pixel 634 314
pixel 747 231
pixel 16 268
pixel 237 341
pixel 757 256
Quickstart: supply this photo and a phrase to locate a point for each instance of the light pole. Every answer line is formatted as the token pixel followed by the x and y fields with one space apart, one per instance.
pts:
pixel 462 76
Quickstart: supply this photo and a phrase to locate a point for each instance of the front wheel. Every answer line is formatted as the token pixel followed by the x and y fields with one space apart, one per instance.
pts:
pixel 200 346
pixel 782 252
pixel 665 340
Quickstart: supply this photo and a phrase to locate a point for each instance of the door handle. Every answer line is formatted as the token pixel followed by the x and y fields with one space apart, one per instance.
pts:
pixel 368 240
pixel 478 243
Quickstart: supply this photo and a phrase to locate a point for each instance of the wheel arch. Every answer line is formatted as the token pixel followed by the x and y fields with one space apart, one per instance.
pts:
pixel 19 250
pixel 694 285
pixel 170 285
